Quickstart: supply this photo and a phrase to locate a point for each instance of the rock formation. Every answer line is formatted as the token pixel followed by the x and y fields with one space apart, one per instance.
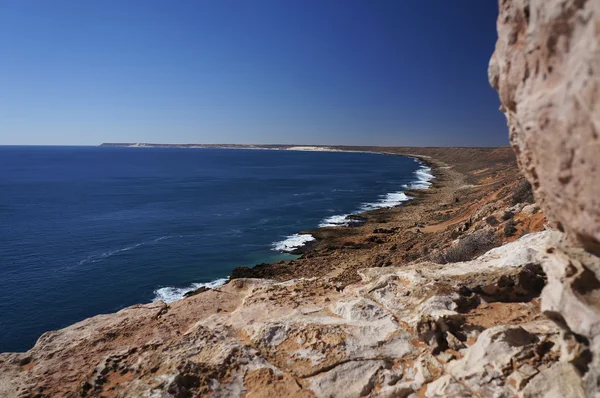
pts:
pixel 409 328
pixel 546 69
pixel 429 329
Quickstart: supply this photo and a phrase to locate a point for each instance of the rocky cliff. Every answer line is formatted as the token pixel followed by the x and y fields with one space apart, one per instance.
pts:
pixel 429 329
pixel 546 69
pixel 405 305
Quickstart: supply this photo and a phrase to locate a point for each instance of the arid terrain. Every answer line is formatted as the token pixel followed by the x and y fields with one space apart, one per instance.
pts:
pixel 465 291
pixel 333 311
pixel 469 183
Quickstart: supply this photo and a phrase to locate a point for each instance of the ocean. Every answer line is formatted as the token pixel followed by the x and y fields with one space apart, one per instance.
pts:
pixel 91 230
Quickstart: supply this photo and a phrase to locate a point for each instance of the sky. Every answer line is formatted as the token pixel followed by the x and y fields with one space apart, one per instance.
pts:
pixel 370 72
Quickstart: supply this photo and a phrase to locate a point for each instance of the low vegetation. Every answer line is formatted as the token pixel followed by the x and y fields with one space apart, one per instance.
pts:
pixel 492 221
pixel 510 228
pixel 508 215
pixel 469 247
pixel 523 193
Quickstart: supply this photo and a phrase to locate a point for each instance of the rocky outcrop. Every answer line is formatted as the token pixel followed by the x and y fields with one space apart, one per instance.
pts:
pixel 428 329
pixel 421 329
pixel 546 69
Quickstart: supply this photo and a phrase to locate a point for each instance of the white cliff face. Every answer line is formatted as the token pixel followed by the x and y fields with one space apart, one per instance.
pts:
pixel 419 329
pixel 546 69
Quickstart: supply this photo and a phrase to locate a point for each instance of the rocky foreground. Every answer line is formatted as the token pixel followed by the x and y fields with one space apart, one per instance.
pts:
pixel 392 307
pixel 426 329
pixel 403 305
pixel 468 290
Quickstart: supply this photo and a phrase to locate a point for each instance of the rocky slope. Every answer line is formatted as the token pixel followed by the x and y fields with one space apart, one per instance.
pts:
pixel 425 329
pixel 407 304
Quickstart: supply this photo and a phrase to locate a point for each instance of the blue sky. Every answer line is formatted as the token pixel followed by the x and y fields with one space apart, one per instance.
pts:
pixel 263 71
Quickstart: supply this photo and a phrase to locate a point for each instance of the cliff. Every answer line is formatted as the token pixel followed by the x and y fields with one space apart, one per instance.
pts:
pixel 406 303
pixel 546 69
pixel 464 291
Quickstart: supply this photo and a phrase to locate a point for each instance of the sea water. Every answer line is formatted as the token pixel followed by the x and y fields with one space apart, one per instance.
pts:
pixel 91 230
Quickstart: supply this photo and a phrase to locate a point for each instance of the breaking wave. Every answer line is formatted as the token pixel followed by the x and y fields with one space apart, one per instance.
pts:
pixel 292 242
pixel 422 181
pixel 387 200
pixel 336 221
pixel 424 177
pixel 169 294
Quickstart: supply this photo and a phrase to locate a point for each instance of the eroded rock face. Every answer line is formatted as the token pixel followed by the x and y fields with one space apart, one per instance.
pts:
pixel 546 69
pixel 473 328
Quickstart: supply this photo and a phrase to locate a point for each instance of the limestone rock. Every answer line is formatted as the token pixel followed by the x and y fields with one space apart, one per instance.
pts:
pixel 397 333
pixel 546 69
pixel 560 380
pixel 572 298
pixel 352 380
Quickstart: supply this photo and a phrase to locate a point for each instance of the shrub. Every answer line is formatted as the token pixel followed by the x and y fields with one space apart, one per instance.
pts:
pixel 523 193
pixel 510 228
pixel 469 247
pixel 508 215
pixel 491 220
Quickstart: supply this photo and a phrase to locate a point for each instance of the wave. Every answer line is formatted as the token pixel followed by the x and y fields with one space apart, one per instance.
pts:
pixel 292 242
pixel 424 177
pixel 423 181
pixel 169 294
pixel 388 200
pixel 336 221
pixel 101 256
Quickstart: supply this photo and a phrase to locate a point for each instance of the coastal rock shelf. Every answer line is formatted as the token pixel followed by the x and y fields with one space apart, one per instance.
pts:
pixel 416 329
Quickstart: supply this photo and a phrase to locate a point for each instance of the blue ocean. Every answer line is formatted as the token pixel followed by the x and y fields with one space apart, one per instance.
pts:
pixel 90 230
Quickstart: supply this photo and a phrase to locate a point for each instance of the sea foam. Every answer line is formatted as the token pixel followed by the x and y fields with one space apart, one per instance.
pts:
pixel 336 221
pixel 169 294
pixel 388 200
pixel 424 177
pixel 292 242
pixel 423 181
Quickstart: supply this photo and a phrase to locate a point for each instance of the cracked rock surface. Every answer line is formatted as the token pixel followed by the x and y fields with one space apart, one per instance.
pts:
pixel 399 332
pixel 546 69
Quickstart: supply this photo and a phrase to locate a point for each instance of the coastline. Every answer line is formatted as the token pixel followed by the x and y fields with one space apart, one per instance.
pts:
pixel 263 311
pixel 423 177
pixel 303 242
pixel 342 250
pixel 389 236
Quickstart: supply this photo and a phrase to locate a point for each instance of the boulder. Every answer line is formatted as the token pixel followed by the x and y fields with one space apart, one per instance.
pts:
pixel 546 69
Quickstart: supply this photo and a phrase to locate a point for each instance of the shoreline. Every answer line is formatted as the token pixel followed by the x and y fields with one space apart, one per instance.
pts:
pixel 324 236
pixel 323 232
pixel 302 242
pixel 339 253
pixel 424 176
